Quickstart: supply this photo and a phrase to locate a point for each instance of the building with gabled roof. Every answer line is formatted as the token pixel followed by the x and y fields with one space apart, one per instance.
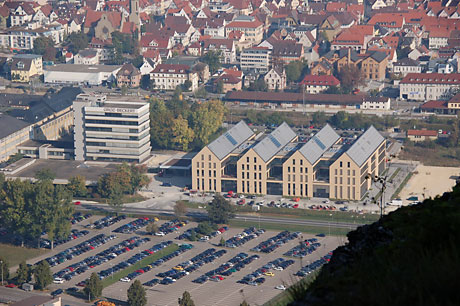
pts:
pixel 280 163
pixel 314 84
pixel 428 86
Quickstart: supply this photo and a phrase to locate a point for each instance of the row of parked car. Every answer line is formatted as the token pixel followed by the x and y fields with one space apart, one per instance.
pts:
pixel 235 264
pixel 258 276
pixel 183 248
pixel 305 248
pixel 190 266
pixel 240 239
pixel 79 249
pixel 304 271
pixel 106 222
pixel 188 233
pixel 78 217
pixel 74 234
pixel 98 259
pixel 170 226
pixel 275 242
pixel 134 225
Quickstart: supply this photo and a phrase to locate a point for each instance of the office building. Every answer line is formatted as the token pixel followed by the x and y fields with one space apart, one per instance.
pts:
pixel 326 165
pixel 111 130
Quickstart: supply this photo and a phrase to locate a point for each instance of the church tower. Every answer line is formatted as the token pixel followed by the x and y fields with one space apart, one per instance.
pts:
pixel 134 13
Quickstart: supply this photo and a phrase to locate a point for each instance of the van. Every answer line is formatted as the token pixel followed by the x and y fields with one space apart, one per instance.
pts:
pixel 27 287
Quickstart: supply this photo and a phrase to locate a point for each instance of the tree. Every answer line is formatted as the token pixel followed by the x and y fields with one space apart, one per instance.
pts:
pixel 187 85
pixel 5 267
pixel 42 275
pixel 244 303
pixel 206 228
pixel 49 54
pixel 212 58
pixel 77 41
pixel 207 119
pixel 146 83
pixel 295 70
pixel 124 90
pixel 186 299
pixel 350 77
pixel 41 44
pixel 333 90
pixel 152 228
pixel 138 61
pixel 93 288
pixel 183 134
pixel 180 209
pixel 23 274
pixel 220 87
pixel 222 242
pixel 161 125
pixel 136 294
pixel 258 85
pixel 319 118
pixel 44 174
pixel 220 210
pixel 77 186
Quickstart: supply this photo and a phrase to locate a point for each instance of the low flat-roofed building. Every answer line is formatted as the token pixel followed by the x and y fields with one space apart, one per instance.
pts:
pixel 326 165
pixel 39 300
pixel 47 149
pixel 80 74
pixel 13 132
pixel 421 135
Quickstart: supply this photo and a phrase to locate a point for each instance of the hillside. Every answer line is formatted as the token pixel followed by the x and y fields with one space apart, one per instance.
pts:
pixel 410 257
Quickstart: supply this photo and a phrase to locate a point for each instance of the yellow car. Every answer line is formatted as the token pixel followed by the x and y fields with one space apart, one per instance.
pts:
pixel 156 219
pixel 269 274
pixel 178 268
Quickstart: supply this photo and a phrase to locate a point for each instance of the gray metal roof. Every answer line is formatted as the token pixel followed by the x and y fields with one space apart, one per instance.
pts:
pixel 362 149
pixel 274 142
pixel 319 144
pixel 230 140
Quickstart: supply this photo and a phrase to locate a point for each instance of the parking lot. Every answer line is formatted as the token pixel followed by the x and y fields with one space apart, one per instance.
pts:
pixel 225 289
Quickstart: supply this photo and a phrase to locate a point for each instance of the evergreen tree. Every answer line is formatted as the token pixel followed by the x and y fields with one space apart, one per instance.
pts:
pixel 42 275
pixel 136 294
pixel 93 288
pixel 186 300
pixel 4 268
pixel 220 210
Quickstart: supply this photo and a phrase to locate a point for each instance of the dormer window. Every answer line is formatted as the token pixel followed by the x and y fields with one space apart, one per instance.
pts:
pixel 20 65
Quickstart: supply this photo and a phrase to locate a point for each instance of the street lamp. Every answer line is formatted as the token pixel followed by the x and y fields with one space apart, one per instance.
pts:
pixel 1 265
pixel 382 180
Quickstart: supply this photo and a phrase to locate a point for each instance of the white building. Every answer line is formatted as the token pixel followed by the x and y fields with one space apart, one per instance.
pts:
pixel 80 74
pixel 111 130
pixel 256 58
pixel 276 78
pixel 428 86
pixel 405 66
pixel 86 57
pixel 377 103
pixel 169 76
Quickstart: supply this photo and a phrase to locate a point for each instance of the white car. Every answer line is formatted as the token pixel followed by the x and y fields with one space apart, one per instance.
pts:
pixel 159 234
pixel 280 287
pixel 58 280
pixel 125 280
pixel 278 268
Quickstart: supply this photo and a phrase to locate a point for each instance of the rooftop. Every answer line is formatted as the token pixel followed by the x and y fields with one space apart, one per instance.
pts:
pixel 230 140
pixel 274 142
pixel 81 68
pixel 10 125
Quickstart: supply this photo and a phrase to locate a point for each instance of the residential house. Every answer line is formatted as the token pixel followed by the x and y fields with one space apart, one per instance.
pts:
pixel 315 84
pixel 438 37
pixel 389 21
pixel 86 57
pixel 330 27
pixel 322 67
pixel 229 82
pixel 421 135
pixel 25 66
pixel 225 46
pixel 276 78
pixel 428 86
pixel 286 52
pixel 128 76
pixel 374 66
pixel 356 37
pixel 405 66
pixel 169 76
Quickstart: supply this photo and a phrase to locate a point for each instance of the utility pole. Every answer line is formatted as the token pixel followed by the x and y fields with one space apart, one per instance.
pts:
pixel 1 265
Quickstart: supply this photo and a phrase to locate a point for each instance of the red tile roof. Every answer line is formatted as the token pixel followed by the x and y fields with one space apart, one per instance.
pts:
pixel 431 78
pixel 244 24
pixel 434 104
pixel 421 133
pixel 320 80
pixel 171 68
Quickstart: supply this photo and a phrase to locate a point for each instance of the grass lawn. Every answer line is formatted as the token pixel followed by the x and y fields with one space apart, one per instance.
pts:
pixel 144 262
pixel 290 227
pixel 439 156
pixel 15 255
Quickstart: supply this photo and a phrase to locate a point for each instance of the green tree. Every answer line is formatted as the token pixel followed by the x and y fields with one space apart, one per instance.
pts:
pixel 136 294
pixel 152 228
pixel 41 44
pixel 138 61
pixel 192 235
pixel 220 87
pixel 77 185
pixel 77 41
pixel 5 267
pixel 23 274
pixel 319 118
pixel 161 125
pixel 222 242
pixel 183 134
pixel 93 288
pixel 186 300
pixel 258 85
pixel 213 58
pixel 42 275
pixel 146 83
pixel 180 209
pixel 295 70
pixel 244 303
pixel 187 85
pixel 220 210
pixel 45 174
pixel 206 120
pixel 206 228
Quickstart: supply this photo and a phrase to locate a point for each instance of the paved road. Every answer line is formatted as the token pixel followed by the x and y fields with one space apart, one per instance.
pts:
pixel 200 214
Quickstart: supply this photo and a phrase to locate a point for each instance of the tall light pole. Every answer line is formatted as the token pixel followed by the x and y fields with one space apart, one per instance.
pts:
pixel 1 265
pixel 382 180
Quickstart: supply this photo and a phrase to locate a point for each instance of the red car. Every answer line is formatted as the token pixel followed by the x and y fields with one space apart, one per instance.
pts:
pixel 77 203
pixel 11 286
pixel 296 206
